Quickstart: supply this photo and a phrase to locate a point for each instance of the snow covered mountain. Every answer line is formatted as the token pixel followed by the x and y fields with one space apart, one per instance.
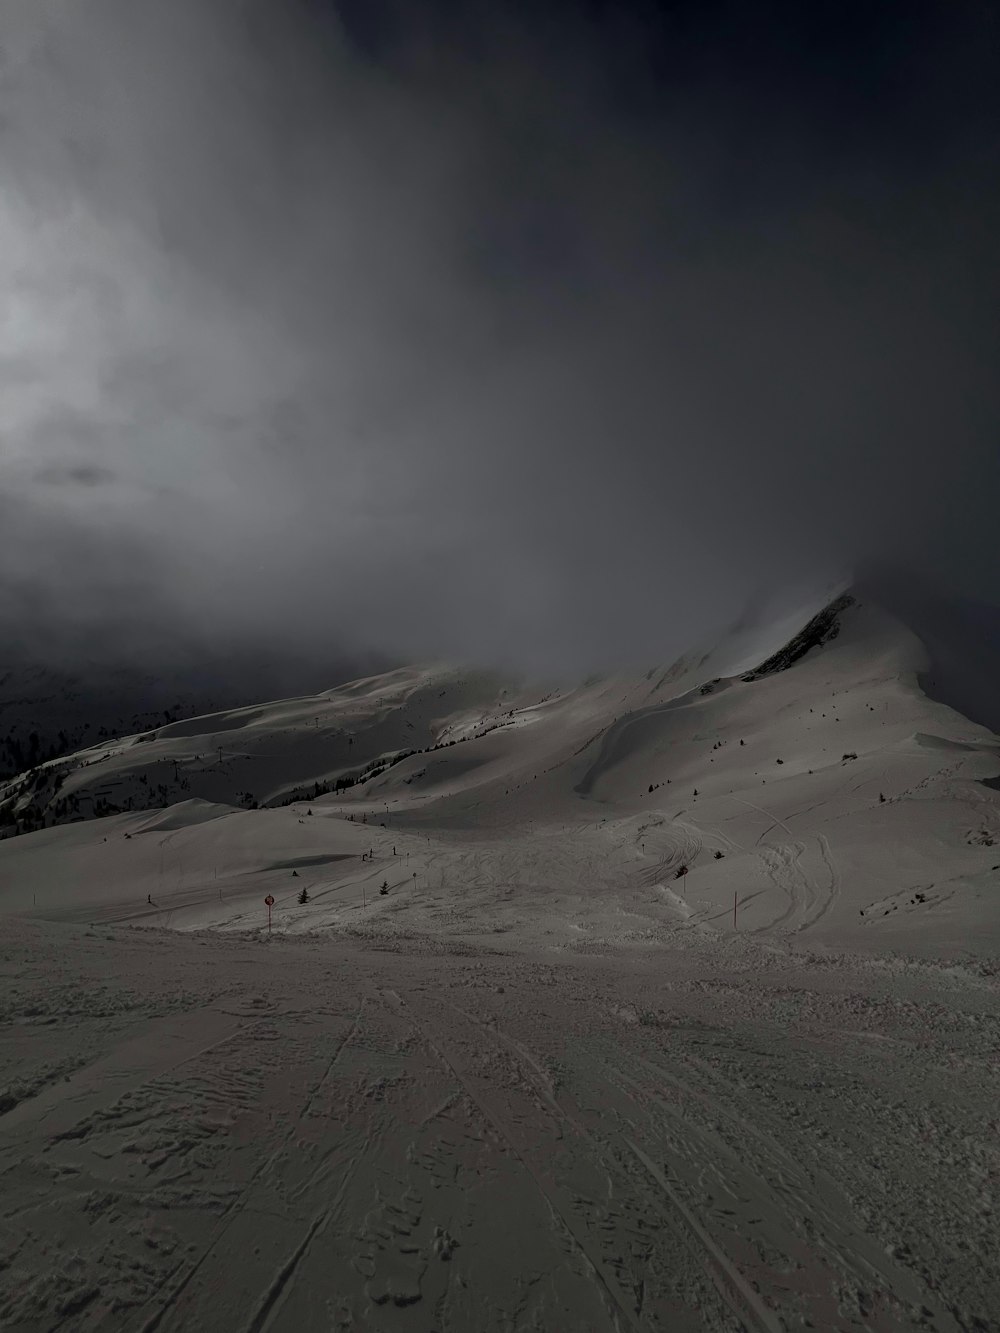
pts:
pixel 48 710
pixel 668 999
pixel 796 769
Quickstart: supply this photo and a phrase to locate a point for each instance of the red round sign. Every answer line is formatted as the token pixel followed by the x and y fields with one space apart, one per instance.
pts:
pixel 269 900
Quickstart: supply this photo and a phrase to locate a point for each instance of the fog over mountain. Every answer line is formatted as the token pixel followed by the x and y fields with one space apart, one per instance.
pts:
pixel 542 339
pixel 499 659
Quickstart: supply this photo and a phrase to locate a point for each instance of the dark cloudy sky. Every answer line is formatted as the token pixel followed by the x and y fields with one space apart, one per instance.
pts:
pixel 544 334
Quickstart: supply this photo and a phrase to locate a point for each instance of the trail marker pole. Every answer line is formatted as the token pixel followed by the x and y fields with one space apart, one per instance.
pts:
pixel 270 903
pixel 734 908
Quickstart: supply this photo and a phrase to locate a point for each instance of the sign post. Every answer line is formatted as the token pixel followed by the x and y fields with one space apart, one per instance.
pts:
pixel 270 903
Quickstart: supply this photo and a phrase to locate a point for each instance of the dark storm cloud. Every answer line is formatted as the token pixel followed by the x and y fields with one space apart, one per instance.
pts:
pixel 463 331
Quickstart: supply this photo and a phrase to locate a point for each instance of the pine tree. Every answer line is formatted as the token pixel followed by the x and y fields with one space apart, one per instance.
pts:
pixel 303 896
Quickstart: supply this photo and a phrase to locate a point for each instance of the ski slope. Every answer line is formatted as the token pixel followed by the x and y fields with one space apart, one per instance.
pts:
pixel 680 1010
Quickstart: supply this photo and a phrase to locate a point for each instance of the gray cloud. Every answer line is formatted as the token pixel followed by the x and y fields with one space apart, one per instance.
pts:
pixel 74 474
pixel 450 349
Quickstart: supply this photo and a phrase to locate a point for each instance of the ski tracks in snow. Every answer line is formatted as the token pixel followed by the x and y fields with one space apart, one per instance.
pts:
pixel 808 897
pixel 370 1140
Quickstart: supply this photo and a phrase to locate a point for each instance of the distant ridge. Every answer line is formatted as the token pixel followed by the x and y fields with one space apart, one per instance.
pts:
pixel 825 625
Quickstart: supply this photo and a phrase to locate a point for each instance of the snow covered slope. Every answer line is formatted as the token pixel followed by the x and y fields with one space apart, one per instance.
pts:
pixel 48 710
pixel 814 788
pixel 665 1000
